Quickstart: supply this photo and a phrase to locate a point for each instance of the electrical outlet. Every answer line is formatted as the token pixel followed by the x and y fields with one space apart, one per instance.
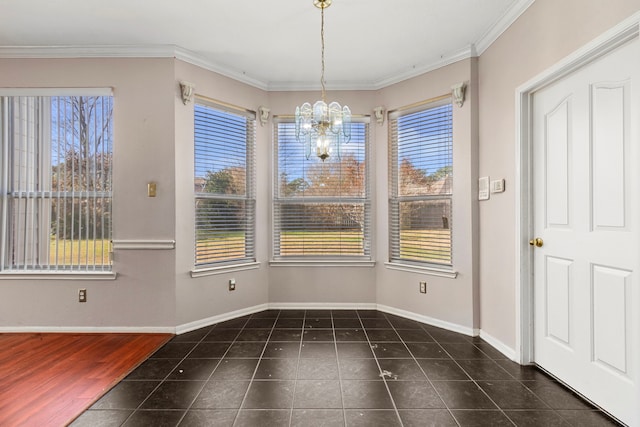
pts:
pixel 423 287
pixel 82 295
pixel 232 284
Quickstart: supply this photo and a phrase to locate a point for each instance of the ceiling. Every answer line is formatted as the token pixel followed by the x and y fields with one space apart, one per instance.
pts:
pixel 273 45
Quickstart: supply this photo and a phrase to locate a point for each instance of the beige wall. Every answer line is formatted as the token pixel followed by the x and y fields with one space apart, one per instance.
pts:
pixel 324 284
pixel 448 300
pixel 208 296
pixel 144 293
pixel 547 32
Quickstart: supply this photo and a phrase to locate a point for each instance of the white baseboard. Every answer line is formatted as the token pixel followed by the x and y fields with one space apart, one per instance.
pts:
pixel 192 326
pixel 499 345
pixel 430 320
pixel 321 306
pixel 90 329
pixel 509 352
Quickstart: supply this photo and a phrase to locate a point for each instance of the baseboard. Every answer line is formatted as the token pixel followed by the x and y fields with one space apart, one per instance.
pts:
pixel 509 352
pixel 499 345
pixel 90 329
pixel 430 320
pixel 192 326
pixel 321 306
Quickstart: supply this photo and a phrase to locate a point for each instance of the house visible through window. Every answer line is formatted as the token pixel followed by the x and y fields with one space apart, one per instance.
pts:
pixel 421 190
pixel 56 161
pixel 224 184
pixel 321 210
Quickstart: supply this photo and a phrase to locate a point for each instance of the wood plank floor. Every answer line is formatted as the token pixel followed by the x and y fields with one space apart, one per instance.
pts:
pixel 49 379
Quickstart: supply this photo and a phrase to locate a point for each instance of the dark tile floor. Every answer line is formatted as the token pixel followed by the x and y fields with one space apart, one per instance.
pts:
pixel 334 368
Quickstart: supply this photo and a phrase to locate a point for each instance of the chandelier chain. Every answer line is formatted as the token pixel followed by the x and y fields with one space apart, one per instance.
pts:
pixel 320 127
pixel 322 50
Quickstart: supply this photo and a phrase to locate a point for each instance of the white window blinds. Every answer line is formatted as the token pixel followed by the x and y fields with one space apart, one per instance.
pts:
pixel 421 177
pixel 56 183
pixel 224 184
pixel 321 209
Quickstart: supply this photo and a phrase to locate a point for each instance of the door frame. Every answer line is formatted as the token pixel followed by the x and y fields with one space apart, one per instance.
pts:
pixel 627 30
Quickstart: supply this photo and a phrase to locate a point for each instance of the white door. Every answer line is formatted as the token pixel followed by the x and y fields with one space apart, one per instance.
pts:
pixel 586 187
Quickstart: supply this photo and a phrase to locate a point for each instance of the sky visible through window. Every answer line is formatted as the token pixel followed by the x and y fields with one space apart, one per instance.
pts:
pixel 74 118
pixel 291 153
pixel 425 140
pixel 216 128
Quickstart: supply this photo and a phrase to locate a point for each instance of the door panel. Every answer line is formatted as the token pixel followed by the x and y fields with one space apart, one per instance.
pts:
pixel 610 137
pixel 558 303
pixel 610 299
pixel 557 145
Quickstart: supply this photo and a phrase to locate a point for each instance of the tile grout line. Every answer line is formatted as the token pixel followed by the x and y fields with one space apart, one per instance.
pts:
pixel 162 381
pixel 246 393
pixel 474 380
pixel 384 380
pixel 295 379
pixel 214 369
pixel 335 343
pixel 557 410
pixel 422 370
pixel 361 320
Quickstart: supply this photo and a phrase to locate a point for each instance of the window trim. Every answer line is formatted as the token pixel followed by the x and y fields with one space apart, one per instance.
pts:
pixel 424 267
pixel 247 263
pixel 221 269
pixel 321 263
pixel 325 260
pixel 58 91
pixel 46 273
pixel 449 273
pixel 58 275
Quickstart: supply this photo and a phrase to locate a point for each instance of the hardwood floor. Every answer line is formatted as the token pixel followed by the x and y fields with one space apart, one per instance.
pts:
pixel 49 379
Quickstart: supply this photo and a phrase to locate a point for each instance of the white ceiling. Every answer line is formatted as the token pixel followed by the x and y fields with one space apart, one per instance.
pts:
pixel 274 45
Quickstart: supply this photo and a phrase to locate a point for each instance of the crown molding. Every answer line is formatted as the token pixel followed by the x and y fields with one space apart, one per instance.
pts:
pixel 172 51
pixel 314 86
pixel 464 53
pixel 127 51
pixel 103 51
pixel 444 60
pixel 501 25
pixel 199 61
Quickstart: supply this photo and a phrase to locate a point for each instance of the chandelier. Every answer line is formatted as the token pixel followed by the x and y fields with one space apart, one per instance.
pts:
pixel 321 125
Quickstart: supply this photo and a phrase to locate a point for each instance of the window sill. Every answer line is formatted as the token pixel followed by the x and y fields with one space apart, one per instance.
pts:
pixel 432 271
pixel 210 271
pixel 58 275
pixel 320 263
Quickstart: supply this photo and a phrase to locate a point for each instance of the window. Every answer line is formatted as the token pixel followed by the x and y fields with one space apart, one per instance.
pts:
pixel 224 185
pixel 56 183
pixel 421 176
pixel 321 209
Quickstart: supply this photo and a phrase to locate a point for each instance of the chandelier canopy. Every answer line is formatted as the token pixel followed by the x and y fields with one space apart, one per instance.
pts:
pixel 324 126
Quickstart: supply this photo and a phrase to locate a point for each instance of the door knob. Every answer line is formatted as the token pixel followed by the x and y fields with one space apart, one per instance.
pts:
pixel 536 242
